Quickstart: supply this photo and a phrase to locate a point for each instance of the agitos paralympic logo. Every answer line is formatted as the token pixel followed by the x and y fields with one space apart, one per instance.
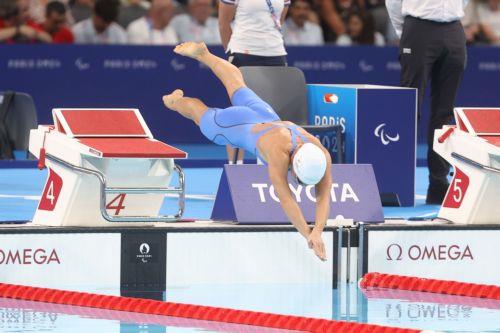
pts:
pixel 29 257
pixel 416 252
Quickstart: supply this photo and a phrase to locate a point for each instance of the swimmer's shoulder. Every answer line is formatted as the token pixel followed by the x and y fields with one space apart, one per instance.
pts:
pixel 275 145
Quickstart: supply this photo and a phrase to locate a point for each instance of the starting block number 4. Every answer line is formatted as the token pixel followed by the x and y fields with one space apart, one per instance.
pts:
pixel 457 190
pixel 53 189
pixel 117 203
pixel 51 192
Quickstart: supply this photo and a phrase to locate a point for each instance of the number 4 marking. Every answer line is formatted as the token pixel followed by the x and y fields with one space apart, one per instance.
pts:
pixel 120 198
pixel 50 193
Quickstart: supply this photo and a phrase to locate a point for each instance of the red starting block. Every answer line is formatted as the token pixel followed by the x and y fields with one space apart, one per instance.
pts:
pixel 104 166
pixel 473 148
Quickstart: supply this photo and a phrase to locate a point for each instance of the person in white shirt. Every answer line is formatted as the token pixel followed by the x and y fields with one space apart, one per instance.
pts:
pixel 101 28
pixel 432 47
pixel 154 28
pixel 197 25
pixel 251 34
pixel 256 31
pixel 297 30
pixel 361 31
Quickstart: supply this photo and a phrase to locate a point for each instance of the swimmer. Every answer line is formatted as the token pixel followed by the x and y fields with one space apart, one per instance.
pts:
pixel 252 124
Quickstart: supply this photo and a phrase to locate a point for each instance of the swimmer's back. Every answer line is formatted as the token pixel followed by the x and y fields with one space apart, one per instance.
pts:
pixel 249 119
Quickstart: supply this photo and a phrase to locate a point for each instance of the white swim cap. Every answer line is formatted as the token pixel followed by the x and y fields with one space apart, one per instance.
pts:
pixel 309 164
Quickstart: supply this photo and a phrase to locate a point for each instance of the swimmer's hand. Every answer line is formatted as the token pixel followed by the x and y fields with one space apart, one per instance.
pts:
pixel 315 243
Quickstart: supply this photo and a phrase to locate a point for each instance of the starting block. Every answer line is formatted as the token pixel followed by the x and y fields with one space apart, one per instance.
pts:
pixel 104 166
pixel 473 148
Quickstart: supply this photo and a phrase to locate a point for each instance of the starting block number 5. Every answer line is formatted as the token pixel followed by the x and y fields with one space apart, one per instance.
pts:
pixel 51 192
pixel 457 190
pixel 117 203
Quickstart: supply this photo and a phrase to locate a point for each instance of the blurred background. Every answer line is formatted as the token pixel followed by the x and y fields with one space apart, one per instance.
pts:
pixel 331 41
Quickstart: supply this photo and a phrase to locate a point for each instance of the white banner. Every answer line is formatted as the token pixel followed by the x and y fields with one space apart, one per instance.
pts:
pixel 460 255
pixel 260 271
pixel 72 261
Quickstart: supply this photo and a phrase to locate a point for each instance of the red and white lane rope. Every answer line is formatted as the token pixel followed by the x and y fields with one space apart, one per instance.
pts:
pixel 207 313
pixel 430 285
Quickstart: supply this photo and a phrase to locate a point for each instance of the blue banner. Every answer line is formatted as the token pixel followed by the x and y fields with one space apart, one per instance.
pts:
pixel 380 129
pixel 246 196
pixel 136 76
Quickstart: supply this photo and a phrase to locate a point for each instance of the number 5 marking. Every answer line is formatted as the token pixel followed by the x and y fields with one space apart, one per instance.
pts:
pixel 457 191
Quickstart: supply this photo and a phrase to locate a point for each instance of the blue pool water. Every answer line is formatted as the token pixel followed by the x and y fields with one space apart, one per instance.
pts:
pixel 20 190
pixel 422 311
pixel 19 193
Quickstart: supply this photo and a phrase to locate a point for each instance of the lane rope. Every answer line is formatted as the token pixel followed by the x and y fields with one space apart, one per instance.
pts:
pixel 198 312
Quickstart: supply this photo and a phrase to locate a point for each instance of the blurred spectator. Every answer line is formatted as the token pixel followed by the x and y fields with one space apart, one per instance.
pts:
pixel 470 24
pixel 380 15
pixel 197 25
pixel 133 10
pixel 329 19
pixel 361 31
pixel 55 21
pixel 297 30
pixel 482 21
pixel 101 28
pixel 82 9
pixel 37 10
pixel 16 26
pixel 154 27
pixel 488 15
pixel 346 7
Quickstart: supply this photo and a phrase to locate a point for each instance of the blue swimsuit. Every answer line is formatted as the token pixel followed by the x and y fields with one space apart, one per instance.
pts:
pixel 233 125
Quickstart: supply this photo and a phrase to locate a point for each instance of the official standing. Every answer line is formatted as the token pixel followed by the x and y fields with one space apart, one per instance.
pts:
pixel 255 37
pixel 432 48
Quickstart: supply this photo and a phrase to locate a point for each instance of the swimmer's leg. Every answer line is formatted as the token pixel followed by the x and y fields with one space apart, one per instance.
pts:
pixel 228 74
pixel 191 108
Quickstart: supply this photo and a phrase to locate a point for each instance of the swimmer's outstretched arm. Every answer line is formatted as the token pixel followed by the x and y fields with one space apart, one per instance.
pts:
pixel 323 194
pixel 278 174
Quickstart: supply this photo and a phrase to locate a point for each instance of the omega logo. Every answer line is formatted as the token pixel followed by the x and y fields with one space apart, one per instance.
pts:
pixel 29 257
pixel 443 252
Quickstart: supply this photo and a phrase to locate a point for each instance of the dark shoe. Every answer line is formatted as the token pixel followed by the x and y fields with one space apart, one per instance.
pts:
pixel 436 194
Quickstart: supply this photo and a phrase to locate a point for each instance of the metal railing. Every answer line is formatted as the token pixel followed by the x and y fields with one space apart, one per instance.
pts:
pixel 180 190
pixel 474 163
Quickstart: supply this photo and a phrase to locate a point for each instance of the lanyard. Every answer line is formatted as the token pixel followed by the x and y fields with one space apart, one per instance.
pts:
pixel 276 19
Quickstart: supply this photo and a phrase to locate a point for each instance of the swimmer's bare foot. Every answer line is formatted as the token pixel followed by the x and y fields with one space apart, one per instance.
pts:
pixel 192 50
pixel 171 99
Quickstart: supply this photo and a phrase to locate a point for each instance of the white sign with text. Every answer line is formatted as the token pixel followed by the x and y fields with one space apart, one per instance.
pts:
pixel 87 262
pixel 459 255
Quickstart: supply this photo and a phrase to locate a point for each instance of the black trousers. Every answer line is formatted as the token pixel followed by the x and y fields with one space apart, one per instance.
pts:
pixel 242 59
pixel 433 51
